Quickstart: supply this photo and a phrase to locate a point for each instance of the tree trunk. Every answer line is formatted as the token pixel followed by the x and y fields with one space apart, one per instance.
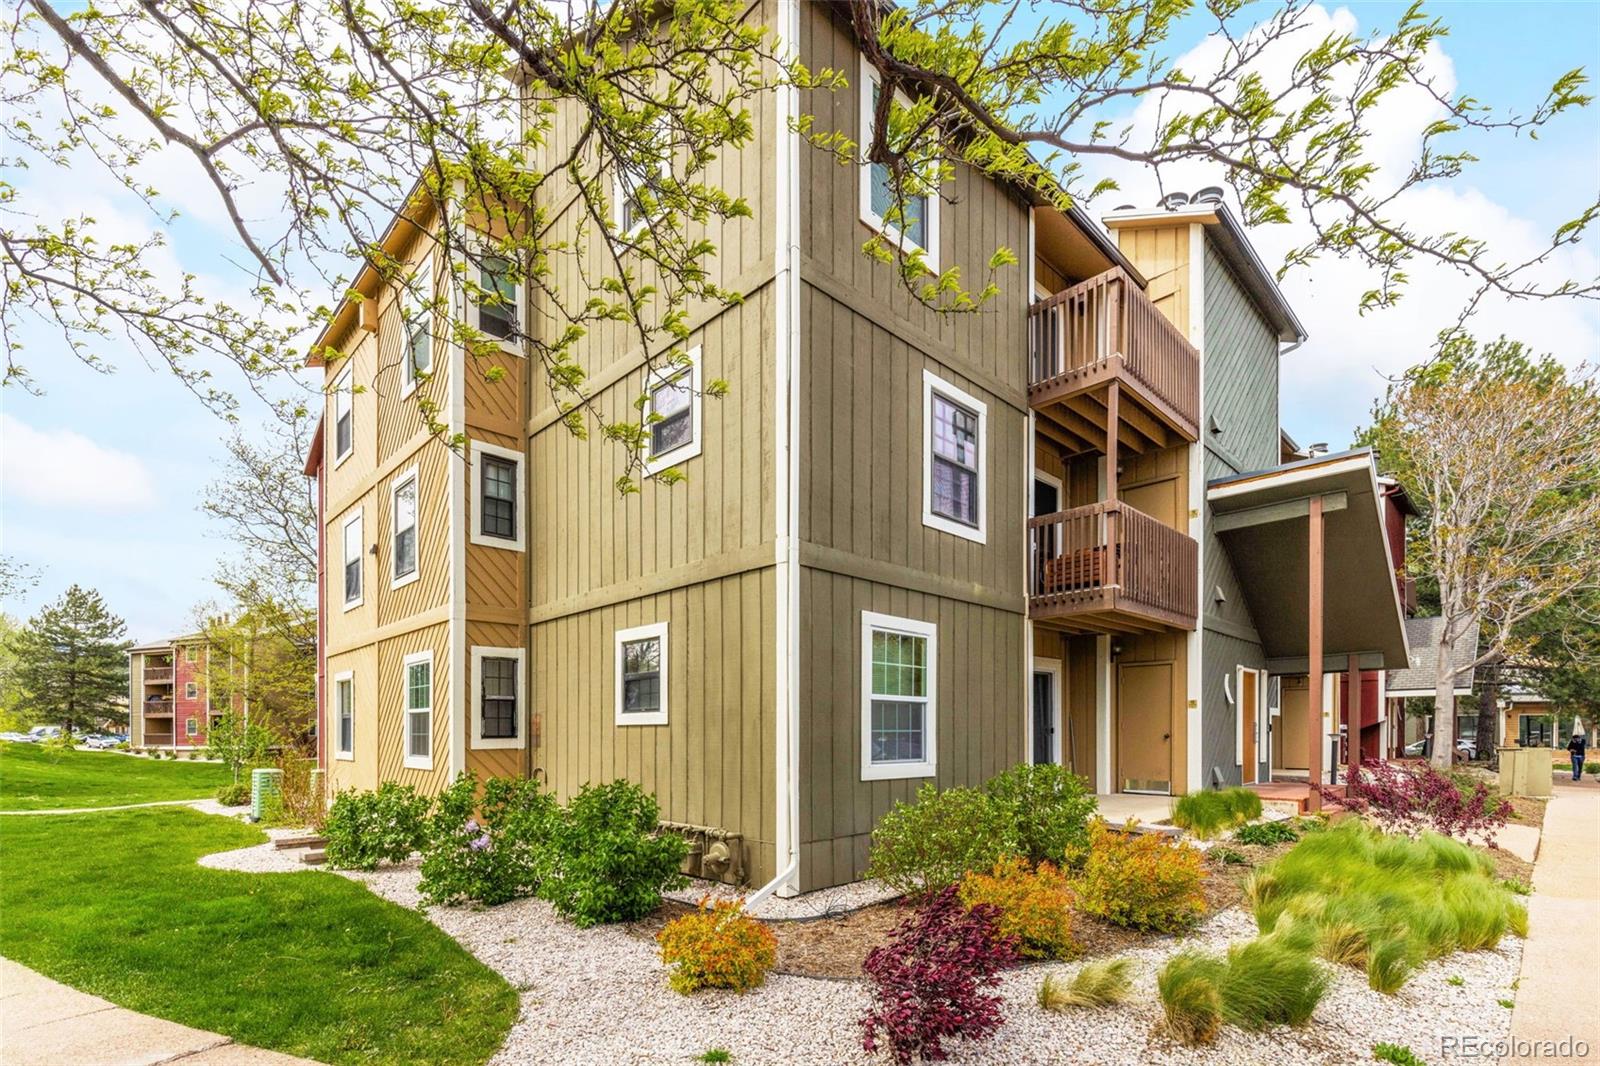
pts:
pixel 1486 742
pixel 1444 704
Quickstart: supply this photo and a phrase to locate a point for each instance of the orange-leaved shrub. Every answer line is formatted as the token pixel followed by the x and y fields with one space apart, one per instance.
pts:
pixel 1141 880
pixel 718 946
pixel 1035 905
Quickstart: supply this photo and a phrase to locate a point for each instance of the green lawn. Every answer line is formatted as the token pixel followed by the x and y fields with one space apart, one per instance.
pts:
pixel 33 779
pixel 308 963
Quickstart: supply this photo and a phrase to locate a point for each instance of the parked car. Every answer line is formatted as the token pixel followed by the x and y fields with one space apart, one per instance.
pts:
pixel 42 732
pixel 21 738
pixel 100 741
pixel 1415 749
pixel 1467 747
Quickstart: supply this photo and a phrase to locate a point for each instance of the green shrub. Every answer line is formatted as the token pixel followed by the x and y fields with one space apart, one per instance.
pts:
pixel 1101 983
pixel 1190 989
pixel 1398 1054
pixel 714 1054
pixel 1516 885
pixel 1229 856
pixel 1141 880
pixel 365 828
pixel 1268 982
pixel 1048 808
pixel 607 860
pixel 1265 834
pixel 234 795
pixel 1209 812
pixel 923 847
pixel 1033 905
pixel 487 849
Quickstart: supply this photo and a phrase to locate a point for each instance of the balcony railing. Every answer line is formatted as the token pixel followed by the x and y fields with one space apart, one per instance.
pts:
pixel 157 708
pixel 1097 328
pixel 157 674
pixel 1113 563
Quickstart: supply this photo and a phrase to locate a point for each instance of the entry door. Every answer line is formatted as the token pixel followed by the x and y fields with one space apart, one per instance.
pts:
pixel 1249 702
pixel 1144 727
pixel 1045 735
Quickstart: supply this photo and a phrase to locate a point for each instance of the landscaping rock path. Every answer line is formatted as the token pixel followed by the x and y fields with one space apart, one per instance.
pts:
pixel 45 1023
pixel 599 996
pixel 1557 998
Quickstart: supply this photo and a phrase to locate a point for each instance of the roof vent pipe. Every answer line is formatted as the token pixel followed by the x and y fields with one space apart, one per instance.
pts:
pixel 1318 449
pixel 1175 201
pixel 1211 194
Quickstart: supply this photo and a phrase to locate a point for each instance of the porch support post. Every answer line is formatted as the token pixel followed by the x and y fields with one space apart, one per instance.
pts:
pixel 1353 718
pixel 1314 655
pixel 1113 416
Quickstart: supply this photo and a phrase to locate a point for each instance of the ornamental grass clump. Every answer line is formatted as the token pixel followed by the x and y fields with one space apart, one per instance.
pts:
pixel 1208 813
pixel 1190 989
pixel 487 847
pixel 1270 981
pixel 718 946
pixel 1102 983
pixel 1141 880
pixel 1382 902
pixel 1034 904
pixel 929 980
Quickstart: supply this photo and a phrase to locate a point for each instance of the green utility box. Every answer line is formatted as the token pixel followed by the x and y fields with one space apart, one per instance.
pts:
pixel 264 783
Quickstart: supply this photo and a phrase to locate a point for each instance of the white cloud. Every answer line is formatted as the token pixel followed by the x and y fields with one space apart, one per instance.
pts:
pixel 66 470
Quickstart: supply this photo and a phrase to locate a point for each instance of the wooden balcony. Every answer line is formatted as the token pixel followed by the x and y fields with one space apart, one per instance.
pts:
pixel 1107 568
pixel 158 675
pixel 157 708
pixel 1106 330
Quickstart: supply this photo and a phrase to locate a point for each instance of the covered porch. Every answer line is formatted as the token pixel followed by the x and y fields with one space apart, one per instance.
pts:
pixel 1307 540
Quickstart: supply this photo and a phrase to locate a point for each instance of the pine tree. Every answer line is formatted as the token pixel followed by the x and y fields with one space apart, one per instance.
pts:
pixel 72 662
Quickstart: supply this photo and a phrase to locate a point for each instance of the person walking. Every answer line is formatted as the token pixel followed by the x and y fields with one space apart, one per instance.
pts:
pixel 1576 748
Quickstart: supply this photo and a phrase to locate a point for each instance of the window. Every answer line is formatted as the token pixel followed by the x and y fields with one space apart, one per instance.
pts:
pixel 191 727
pixel 403 517
pixel 419 710
pixel 642 675
pixel 497 310
pixel 352 560
pixel 189 653
pixel 899 665
pixel 497 697
pixel 191 691
pixel 672 414
pixel 628 211
pixel 954 425
pixel 919 228
pixel 344 709
pixel 496 497
pixel 415 308
pixel 344 417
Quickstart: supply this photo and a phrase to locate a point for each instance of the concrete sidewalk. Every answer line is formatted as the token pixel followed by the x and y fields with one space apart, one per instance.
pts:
pixel 1558 998
pixel 45 1023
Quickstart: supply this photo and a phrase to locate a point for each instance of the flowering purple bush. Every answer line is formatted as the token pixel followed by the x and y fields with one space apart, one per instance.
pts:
pixel 927 979
pixel 1411 799
pixel 486 847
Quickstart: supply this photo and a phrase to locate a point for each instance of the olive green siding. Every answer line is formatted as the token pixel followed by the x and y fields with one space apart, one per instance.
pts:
pixel 1240 428
pixel 865 343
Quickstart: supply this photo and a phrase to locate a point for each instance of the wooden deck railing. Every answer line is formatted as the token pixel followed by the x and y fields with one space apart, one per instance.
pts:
pixel 1109 546
pixel 158 674
pixel 162 707
pixel 1107 316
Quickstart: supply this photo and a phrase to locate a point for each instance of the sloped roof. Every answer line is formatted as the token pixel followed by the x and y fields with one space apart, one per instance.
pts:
pixel 1418 679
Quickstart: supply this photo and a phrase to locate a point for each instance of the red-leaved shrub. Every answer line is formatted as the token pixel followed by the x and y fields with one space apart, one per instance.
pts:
pixel 927 980
pixel 1409 800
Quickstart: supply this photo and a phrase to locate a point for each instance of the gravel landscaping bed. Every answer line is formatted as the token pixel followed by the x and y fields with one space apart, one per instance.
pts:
pixel 600 996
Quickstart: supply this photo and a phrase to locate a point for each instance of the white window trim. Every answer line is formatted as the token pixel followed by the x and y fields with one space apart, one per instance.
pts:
pixel 871 771
pixel 870 78
pixel 191 690
pixel 344 677
pixel 361 552
pixel 619 198
pixel 683 452
pixel 932 383
pixel 343 383
pixel 191 726
pixel 408 376
pixel 1056 668
pixel 659 631
pixel 409 761
pixel 395 485
pixel 474 262
pixel 479 653
pixel 475 520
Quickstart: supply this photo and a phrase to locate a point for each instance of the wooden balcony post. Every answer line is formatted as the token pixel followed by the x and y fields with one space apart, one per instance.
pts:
pixel 1314 656
pixel 1113 402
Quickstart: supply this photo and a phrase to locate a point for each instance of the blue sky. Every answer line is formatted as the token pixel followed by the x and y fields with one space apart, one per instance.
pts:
pixel 104 474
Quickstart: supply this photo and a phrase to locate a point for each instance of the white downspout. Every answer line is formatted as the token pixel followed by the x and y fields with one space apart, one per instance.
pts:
pixel 786 296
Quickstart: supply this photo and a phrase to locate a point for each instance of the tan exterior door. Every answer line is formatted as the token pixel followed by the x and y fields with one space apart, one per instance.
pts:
pixel 1144 727
pixel 1289 747
pixel 1249 701
pixel 1158 499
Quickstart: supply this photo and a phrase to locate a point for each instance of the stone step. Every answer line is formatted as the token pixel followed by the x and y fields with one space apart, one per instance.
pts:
pixel 312 841
pixel 315 857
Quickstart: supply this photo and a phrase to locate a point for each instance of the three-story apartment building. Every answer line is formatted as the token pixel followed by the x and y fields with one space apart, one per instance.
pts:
pixel 911 546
